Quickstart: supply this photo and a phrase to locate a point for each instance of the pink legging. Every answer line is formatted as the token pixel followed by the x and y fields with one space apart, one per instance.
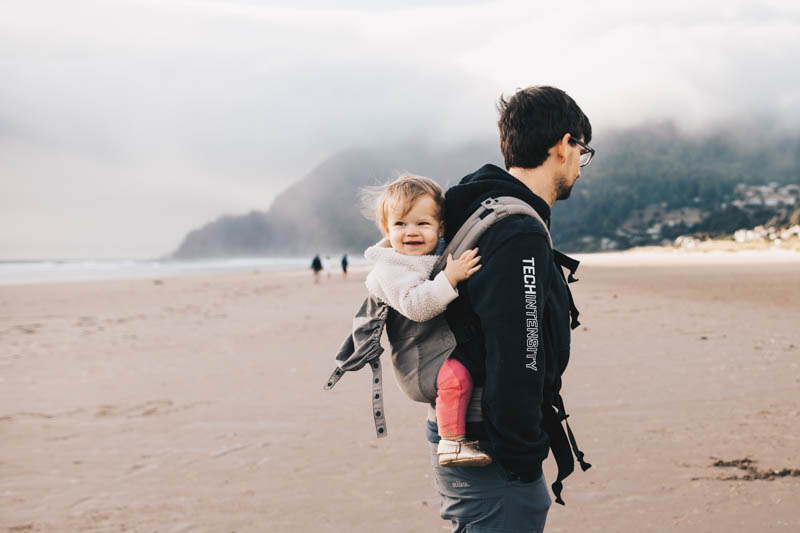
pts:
pixel 455 388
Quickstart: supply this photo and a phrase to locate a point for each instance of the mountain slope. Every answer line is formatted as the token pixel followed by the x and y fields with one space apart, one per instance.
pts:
pixel 321 212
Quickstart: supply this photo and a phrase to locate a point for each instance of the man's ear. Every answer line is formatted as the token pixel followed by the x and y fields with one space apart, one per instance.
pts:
pixel 561 148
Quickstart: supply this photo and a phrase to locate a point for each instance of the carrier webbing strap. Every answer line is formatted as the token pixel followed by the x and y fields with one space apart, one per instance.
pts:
pixel 573 311
pixel 378 413
pixel 561 443
pixel 491 211
pixel 570 264
pixel 377 398
pixel 578 454
pixel 551 423
pixel 335 377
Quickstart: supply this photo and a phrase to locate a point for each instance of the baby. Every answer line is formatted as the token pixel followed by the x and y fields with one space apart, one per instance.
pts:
pixel 408 212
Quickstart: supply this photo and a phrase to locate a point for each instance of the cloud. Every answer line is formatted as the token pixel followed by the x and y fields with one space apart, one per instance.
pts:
pixel 626 63
pixel 126 123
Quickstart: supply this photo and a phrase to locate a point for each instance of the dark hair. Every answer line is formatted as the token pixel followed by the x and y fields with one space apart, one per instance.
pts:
pixel 533 120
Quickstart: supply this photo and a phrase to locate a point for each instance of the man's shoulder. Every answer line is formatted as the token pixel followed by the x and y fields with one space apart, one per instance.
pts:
pixel 511 228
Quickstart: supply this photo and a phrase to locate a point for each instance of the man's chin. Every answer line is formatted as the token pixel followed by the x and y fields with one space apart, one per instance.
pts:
pixel 564 194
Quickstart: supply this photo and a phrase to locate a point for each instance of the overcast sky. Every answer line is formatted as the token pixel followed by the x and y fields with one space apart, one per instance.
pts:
pixel 125 124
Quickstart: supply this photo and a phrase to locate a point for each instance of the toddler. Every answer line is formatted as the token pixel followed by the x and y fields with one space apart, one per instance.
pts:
pixel 408 212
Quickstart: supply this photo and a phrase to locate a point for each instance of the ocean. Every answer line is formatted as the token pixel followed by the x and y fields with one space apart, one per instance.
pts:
pixel 25 272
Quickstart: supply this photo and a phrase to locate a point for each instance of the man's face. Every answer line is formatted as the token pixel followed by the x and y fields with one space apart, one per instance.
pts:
pixel 571 171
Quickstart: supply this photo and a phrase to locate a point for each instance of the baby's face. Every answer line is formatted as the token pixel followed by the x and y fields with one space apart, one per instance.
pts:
pixel 417 232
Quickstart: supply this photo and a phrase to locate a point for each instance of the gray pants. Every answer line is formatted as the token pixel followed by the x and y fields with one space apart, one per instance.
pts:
pixel 483 500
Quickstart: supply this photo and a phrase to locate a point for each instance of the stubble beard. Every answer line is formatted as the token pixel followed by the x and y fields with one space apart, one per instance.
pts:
pixel 563 188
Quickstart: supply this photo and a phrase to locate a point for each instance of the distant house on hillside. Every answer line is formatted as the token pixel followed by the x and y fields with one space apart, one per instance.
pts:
pixel 770 195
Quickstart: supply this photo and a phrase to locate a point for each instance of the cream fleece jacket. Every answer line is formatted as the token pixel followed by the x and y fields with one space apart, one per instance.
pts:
pixel 401 281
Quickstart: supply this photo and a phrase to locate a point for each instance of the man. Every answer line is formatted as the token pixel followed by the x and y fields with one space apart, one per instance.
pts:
pixel 513 319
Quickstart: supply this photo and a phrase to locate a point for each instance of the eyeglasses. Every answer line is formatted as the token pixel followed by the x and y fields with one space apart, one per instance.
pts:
pixel 587 153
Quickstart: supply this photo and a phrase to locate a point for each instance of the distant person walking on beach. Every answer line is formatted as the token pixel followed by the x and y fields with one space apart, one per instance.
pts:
pixel 344 266
pixel 316 266
pixel 327 265
pixel 523 313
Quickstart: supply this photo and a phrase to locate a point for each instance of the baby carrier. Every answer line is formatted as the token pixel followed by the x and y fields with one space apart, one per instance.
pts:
pixel 419 349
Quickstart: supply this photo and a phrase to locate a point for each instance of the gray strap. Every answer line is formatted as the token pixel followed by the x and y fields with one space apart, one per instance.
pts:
pixel 377 399
pixel 336 376
pixel 508 205
pixel 377 394
pixel 462 236
pixel 491 211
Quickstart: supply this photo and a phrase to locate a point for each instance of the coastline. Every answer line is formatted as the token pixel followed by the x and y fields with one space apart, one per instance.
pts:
pixel 668 255
pixel 63 271
pixel 67 271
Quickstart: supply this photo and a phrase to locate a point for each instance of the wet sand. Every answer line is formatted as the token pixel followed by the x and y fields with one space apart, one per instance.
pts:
pixel 196 404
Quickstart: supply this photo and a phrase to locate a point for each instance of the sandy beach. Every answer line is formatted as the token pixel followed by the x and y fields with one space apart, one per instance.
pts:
pixel 195 404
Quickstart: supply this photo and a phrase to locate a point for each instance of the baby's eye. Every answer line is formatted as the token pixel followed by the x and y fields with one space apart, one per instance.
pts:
pixel 399 223
pixel 424 223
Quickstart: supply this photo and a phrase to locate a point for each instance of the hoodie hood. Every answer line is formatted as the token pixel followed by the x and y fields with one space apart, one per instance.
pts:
pixel 488 181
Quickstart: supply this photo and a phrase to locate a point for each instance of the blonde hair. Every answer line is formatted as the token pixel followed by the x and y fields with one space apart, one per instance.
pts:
pixel 398 196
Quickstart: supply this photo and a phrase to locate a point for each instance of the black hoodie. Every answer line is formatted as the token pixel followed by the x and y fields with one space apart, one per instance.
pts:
pixel 520 303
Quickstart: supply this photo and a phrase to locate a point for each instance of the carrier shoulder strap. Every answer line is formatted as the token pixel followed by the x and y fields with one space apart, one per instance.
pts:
pixel 491 211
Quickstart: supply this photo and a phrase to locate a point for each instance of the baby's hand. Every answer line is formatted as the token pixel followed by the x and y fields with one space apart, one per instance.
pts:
pixel 460 269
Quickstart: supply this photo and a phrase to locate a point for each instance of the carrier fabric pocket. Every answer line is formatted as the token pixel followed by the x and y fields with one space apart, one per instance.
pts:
pixel 432 354
pixel 418 351
pixel 399 328
pixel 406 368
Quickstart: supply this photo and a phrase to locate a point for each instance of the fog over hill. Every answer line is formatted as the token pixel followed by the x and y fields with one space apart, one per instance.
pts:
pixel 647 185
pixel 321 212
pixel 126 123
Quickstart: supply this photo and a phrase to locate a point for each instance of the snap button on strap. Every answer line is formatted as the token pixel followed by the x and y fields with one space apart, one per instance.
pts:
pixel 378 412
